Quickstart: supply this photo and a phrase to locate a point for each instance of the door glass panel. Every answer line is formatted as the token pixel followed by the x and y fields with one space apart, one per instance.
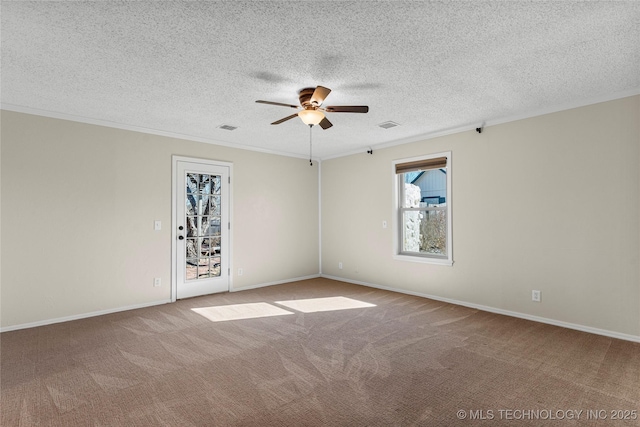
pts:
pixel 204 184
pixel 215 245
pixel 192 248
pixel 203 268
pixel 202 219
pixel 192 226
pixel 203 226
pixel 215 185
pixel 203 201
pixel 214 226
pixel 215 266
pixel 205 246
pixel 192 183
pixel 214 205
pixel 191 269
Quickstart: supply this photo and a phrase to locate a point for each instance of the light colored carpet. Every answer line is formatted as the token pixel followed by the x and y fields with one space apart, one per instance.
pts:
pixel 314 353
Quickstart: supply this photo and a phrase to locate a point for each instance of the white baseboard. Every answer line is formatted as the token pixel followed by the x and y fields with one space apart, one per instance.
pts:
pixel 582 328
pixel 136 306
pixel 80 316
pixel 279 282
pixel 589 329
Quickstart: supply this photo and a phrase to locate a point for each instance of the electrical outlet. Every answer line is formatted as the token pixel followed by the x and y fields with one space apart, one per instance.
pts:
pixel 536 296
pixel 340 265
pixel 157 282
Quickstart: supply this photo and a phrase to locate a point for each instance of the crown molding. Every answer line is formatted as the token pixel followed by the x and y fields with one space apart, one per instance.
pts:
pixel 141 129
pixel 472 126
pixel 417 138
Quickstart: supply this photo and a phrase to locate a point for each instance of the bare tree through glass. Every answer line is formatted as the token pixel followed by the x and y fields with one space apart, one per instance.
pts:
pixel 202 226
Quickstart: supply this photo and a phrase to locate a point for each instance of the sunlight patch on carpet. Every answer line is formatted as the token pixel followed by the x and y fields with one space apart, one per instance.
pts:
pixel 224 313
pixel 312 305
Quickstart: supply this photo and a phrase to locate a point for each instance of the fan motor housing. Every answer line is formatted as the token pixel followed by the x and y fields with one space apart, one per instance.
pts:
pixel 305 96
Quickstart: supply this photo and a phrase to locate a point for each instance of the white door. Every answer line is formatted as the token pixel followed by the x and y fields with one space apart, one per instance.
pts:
pixel 201 227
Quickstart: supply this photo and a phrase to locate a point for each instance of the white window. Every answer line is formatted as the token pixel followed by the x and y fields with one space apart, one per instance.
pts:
pixel 424 209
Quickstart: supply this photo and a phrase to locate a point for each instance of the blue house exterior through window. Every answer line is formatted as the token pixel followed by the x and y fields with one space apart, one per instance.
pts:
pixel 432 183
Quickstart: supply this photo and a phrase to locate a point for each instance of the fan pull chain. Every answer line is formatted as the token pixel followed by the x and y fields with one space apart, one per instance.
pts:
pixel 310 146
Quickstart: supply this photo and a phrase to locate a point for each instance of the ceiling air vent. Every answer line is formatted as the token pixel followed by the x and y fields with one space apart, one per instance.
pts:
pixel 388 125
pixel 228 127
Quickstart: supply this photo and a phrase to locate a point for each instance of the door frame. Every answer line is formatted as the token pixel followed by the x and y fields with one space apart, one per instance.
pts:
pixel 174 216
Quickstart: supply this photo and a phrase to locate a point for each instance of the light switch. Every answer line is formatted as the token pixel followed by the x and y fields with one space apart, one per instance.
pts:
pixel 157 225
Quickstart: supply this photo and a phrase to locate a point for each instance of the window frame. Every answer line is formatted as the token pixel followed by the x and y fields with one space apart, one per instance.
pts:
pixel 398 254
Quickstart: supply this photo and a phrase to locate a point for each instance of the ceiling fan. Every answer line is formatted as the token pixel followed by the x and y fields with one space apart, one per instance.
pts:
pixel 311 110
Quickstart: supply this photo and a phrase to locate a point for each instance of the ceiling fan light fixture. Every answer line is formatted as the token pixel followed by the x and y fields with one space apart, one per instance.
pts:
pixel 309 110
pixel 311 117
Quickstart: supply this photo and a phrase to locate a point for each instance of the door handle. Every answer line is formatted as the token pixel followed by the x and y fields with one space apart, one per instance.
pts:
pixel 180 237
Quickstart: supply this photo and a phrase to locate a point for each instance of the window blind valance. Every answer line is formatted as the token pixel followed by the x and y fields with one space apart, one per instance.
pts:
pixel 420 165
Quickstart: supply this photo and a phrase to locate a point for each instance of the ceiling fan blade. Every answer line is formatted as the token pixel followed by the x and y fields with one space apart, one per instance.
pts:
pixel 277 103
pixel 325 124
pixel 277 122
pixel 319 95
pixel 347 109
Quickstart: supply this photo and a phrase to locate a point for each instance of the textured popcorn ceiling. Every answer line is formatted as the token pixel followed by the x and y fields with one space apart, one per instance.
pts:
pixel 186 68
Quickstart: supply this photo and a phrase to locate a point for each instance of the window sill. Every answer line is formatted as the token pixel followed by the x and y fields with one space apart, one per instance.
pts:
pixel 424 260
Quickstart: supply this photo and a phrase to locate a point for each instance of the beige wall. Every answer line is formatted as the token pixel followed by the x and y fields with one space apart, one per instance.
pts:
pixel 78 205
pixel 548 203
